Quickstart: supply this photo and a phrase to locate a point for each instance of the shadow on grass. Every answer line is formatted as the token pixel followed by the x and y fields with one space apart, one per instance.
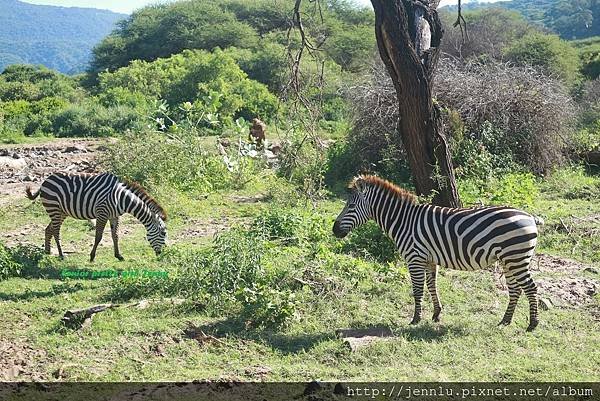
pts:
pixel 56 289
pixel 235 327
pixel 295 343
pixel 430 332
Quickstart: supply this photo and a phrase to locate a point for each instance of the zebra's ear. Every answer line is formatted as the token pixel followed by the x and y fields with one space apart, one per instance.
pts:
pixel 360 184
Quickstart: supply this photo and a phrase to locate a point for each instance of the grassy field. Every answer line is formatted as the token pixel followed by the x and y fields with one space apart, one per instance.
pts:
pixel 321 284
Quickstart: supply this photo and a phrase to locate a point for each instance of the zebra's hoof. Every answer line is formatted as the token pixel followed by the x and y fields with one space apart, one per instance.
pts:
pixel 121 258
pixel 415 321
pixel 436 318
pixel 532 325
pixel 504 322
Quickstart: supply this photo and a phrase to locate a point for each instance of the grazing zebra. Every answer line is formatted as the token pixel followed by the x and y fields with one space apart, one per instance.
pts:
pixel 429 236
pixel 102 197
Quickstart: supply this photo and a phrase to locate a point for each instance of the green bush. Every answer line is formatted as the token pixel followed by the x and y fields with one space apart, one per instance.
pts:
pixel 277 224
pixel 552 54
pixel 207 80
pixel 370 242
pixel 511 189
pixel 265 306
pixel 227 278
pixel 8 266
pixel 91 119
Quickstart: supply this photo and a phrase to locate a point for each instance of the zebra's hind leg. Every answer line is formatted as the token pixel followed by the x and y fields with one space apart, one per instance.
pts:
pixel 56 224
pixel 518 269
pixel 114 230
pixel 48 239
pixel 431 277
pixel 530 289
pixel 100 224
pixel 514 291
pixel 417 277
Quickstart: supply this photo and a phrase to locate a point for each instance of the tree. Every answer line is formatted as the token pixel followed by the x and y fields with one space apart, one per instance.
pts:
pixel 409 34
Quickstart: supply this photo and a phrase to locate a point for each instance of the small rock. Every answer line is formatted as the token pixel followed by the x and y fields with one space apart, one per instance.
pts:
pixel 312 387
pixel 339 389
pixel 545 304
pixel 74 149
pixel 591 270
pixel 28 178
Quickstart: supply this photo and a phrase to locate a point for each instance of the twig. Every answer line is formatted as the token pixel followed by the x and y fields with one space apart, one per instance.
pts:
pixel 460 22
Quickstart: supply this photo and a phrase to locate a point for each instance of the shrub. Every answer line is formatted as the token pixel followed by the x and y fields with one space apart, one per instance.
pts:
pixel 302 162
pixel 512 189
pixel 277 224
pixel 490 30
pixel 153 159
pixel 264 306
pixel 8 266
pixel 554 56
pixel 199 77
pixel 370 242
pixel 516 112
pixel 91 119
pixel 227 278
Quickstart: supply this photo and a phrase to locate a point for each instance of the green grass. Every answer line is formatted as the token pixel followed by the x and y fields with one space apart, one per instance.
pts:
pixel 340 290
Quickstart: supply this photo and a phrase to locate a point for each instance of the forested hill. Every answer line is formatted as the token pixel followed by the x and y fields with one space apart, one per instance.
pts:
pixel 571 19
pixel 57 37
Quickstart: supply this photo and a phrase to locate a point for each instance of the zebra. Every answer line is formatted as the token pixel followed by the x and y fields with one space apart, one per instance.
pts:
pixel 429 236
pixel 103 197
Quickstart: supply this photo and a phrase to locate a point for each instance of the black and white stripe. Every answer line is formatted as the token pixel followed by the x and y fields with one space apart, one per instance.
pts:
pixel 429 236
pixel 103 197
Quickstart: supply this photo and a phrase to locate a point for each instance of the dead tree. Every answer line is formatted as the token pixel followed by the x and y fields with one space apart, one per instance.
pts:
pixel 409 34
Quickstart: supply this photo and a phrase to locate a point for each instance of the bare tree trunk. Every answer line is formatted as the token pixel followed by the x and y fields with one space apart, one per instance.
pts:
pixel 408 34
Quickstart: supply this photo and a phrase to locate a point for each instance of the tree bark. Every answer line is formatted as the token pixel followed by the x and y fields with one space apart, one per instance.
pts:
pixel 408 34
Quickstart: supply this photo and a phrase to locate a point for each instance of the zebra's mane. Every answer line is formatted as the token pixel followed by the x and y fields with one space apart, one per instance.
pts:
pixel 145 196
pixel 373 180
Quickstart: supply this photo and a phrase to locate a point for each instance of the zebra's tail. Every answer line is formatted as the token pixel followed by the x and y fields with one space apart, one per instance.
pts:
pixel 538 221
pixel 30 195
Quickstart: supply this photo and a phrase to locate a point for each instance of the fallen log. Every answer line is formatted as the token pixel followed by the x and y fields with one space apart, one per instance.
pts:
pixel 77 318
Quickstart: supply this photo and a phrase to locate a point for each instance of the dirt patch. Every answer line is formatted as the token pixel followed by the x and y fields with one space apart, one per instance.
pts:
pixel 553 264
pixel 30 164
pixel 200 228
pixel 249 199
pixel 19 361
pixel 568 292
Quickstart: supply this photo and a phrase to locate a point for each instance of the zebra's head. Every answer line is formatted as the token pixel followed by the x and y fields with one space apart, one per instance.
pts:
pixel 157 233
pixel 357 210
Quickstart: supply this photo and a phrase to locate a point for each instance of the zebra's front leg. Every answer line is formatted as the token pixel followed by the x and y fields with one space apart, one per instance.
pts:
pixel 100 224
pixel 431 278
pixel 114 230
pixel 417 277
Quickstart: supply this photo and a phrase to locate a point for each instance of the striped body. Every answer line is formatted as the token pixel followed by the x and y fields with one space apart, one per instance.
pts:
pixel 429 236
pixel 103 197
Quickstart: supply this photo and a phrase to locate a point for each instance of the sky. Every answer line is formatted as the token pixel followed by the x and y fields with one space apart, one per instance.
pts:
pixel 127 6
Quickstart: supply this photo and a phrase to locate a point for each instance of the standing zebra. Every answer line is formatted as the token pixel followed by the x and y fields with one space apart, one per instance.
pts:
pixel 464 239
pixel 102 197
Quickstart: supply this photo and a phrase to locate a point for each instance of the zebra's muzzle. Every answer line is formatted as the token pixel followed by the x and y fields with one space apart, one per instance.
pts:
pixel 338 231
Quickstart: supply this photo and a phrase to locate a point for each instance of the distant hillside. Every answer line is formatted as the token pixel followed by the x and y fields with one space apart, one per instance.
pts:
pixel 571 19
pixel 58 37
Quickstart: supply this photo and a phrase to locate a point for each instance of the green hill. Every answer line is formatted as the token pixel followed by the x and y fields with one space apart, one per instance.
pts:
pixel 571 19
pixel 57 37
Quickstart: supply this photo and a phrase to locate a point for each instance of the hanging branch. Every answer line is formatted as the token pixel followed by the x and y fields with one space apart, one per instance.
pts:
pixel 460 22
